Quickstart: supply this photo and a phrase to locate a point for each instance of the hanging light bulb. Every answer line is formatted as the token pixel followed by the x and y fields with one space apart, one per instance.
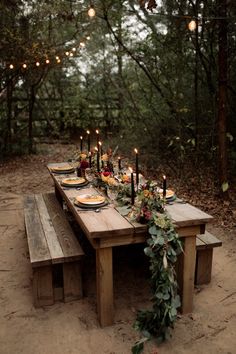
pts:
pixel 192 25
pixel 91 11
pixel 37 63
pixel 47 61
pixel 71 54
pixel 11 66
pixel 67 54
pixel 58 60
pixel 88 38
pixel 24 66
pixel 74 49
pixel 57 57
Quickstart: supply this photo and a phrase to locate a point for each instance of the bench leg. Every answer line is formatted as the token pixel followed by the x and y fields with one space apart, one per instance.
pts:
pixel 104 281
pixel 42 286
pixel 72 281
pixel 203 266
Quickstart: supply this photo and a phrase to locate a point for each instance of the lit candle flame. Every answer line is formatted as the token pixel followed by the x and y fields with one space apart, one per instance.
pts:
pixel 88 132
pixel 91 11
pixel 37 63
pixel 192 25
pixel 81 137
pixel 97 131
pixel 136 151
pixel 96 148
pixel 164 177
pixel 24 66
pixel 100 143
pixel 11 66
pixel 131 170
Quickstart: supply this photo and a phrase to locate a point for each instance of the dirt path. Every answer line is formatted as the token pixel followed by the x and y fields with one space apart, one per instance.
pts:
pixel 73 327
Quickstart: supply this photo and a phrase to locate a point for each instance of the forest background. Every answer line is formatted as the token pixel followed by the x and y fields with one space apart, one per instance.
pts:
pixel 134 70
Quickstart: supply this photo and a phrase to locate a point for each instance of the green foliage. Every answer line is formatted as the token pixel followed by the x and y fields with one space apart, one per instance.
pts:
pixel 163 247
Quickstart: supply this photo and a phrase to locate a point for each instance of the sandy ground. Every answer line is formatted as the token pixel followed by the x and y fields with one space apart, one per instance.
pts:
pixel 73 327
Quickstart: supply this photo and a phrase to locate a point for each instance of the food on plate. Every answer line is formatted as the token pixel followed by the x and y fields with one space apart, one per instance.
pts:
pixel 90 199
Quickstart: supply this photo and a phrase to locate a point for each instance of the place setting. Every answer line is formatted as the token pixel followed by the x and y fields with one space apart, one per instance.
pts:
pixel 74 182
pixel 92 202
pixel 65 169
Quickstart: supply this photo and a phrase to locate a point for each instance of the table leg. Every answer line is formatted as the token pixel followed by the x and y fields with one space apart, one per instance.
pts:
pixel 104 279
pixel 186 270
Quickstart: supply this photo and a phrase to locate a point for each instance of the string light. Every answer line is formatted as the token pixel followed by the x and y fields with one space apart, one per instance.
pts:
pixel 192 25
pixel 91 11
pixel 47 61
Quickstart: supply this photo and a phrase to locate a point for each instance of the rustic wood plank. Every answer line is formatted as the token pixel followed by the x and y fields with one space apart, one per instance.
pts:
pixel 50 234
pixel 38 247
pixel 72 284
pixel 104 285
pixel 70 245
pixel 188 274
pixel 186 214
pixel 209 240
pixel 42 286
pixel 203 266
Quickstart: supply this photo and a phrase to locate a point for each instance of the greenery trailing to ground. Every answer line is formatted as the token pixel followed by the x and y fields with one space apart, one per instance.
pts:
pixel 163 247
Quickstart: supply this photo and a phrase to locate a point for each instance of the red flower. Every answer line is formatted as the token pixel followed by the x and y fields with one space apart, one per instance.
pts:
pixel 84 164
pixel 106 173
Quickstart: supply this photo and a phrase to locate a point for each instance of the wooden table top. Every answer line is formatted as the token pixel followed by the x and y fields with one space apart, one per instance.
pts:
pixel 108 222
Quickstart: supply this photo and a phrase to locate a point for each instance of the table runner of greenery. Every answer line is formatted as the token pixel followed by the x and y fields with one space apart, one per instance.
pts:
pixel 163 247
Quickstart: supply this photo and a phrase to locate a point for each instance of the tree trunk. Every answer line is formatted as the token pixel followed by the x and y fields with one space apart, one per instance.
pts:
pixel 222 93
pixel 30 126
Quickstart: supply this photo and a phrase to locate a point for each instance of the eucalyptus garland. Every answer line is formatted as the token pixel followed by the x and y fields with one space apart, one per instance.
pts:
pixel 163 247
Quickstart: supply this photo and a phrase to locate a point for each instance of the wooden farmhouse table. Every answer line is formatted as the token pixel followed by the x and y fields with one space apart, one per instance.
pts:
pixel 108 229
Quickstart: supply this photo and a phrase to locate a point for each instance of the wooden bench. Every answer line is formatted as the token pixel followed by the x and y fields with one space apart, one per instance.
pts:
pixel 204 257
pixel 55 253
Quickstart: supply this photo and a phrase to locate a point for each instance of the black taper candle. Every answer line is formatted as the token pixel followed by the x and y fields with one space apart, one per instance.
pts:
pixel 98 162
pixel 97 132
pixel 81 143
pixel 88 132
pixel 90 160
pixel 119 163
pixel 164 186
pixel 132 188
pixel 136 166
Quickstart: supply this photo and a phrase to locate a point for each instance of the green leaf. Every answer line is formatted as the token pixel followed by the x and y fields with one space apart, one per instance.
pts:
pixel 225 186
pixel 138 347
pixel 153 230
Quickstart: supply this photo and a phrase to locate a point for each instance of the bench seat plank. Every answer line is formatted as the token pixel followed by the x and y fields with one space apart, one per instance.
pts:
pixel 69 244
pixel 50 234
pixel 208 241
pixel 204 257
pixel 38 248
